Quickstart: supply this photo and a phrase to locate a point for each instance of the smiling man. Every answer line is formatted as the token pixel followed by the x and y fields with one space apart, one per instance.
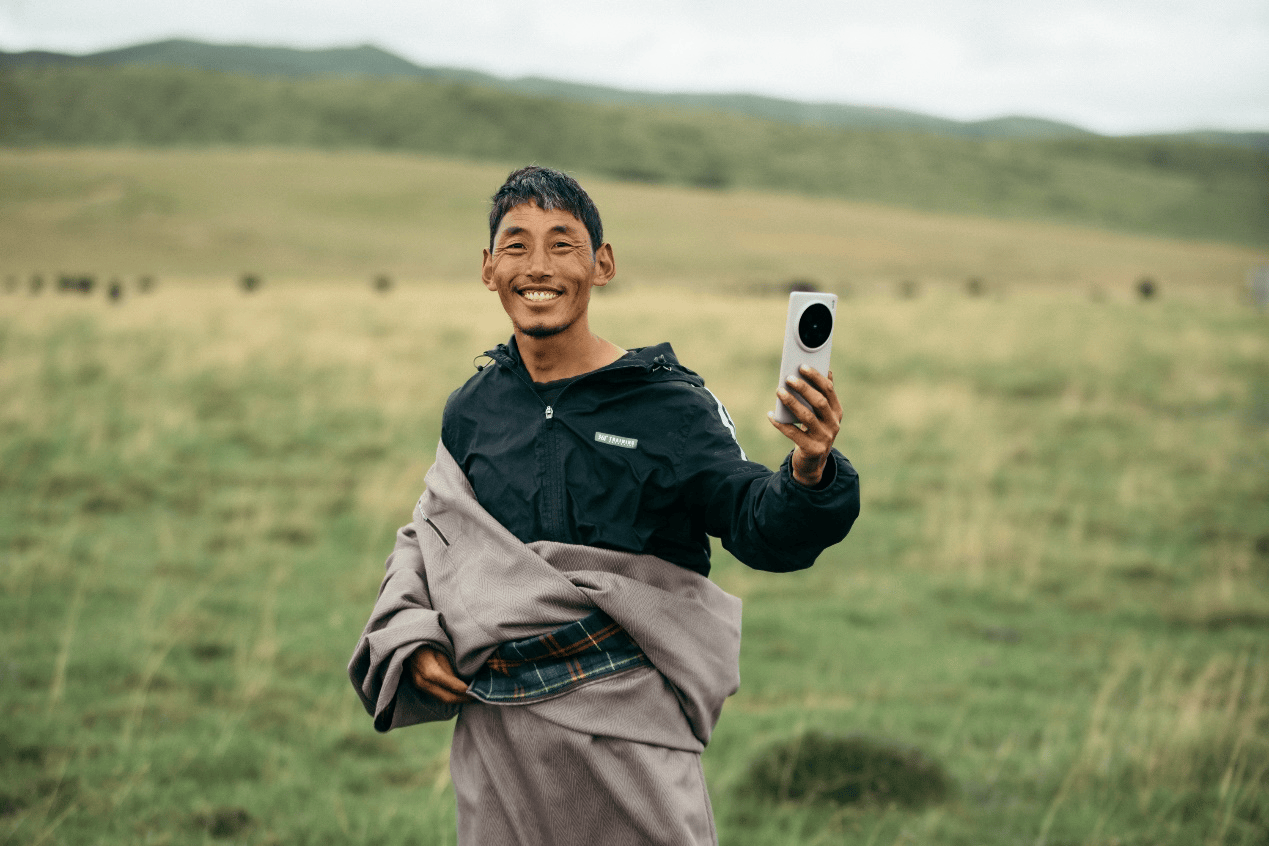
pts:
pixel 543 266
pixel 552 590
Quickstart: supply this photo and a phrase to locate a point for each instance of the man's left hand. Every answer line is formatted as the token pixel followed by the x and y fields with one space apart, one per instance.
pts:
pixel 813 439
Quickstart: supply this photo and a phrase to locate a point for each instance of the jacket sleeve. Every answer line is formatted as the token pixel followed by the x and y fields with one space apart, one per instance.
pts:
pixel 402 620
pixel 767 520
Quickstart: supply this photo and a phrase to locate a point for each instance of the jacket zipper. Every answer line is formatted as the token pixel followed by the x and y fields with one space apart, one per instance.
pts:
pixel 556 499
pixel 436 529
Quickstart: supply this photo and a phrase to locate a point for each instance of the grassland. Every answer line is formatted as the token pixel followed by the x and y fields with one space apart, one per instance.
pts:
pixel 1058 588
pixel 308 214
pixel 1159 186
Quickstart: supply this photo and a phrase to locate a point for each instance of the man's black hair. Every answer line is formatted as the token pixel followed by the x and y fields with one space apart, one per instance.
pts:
pixel 551 190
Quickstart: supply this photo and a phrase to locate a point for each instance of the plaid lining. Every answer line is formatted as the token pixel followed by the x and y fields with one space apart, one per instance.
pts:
pixel 549 664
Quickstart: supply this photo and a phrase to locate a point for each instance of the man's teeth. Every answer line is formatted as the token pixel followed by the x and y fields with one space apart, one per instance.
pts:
pixel 540 296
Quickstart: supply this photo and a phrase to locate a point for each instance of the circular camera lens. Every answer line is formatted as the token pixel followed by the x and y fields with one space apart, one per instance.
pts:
pixel 815 326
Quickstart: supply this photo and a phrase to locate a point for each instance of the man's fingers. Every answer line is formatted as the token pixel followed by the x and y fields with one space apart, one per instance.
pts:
pixel 792 432
pixel 435 691
pixel 432 673
pixel 816 378
pixel 438 692
pixel 836 401
pixel 437 670
pixel 829 389
pixel 818 417
pixel 442 690
pixel 824 384
pixel 820 422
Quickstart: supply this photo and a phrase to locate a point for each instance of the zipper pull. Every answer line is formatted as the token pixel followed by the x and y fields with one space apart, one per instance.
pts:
pixel 550 412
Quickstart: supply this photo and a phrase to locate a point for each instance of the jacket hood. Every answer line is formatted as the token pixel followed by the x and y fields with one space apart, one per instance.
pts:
pixel 656 363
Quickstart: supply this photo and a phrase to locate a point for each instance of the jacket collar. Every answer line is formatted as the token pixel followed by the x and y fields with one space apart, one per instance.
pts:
pixel 655 363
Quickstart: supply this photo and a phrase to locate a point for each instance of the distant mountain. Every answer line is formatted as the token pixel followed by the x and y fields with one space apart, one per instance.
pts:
pixel 368 60
pixel 235 58
pixel 1176 187
pixel 363 60
pixel 798 112
pixel 1251 140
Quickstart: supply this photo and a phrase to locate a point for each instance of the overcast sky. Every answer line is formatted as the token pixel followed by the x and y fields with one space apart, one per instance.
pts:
pixel 1115 66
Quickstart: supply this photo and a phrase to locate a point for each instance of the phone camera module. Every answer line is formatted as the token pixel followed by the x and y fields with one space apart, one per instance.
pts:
pixel 815 326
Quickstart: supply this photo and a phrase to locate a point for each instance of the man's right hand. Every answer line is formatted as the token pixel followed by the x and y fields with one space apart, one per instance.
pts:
pixel 433 674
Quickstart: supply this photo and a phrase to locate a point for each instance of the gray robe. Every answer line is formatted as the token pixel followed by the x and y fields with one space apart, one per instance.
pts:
pixel 614 760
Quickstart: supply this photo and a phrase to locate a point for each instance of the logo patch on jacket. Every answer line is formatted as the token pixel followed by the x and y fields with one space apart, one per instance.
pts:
pixel 616 440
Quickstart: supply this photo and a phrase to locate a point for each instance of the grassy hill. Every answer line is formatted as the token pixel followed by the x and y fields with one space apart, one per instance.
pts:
pixel 1159 186
pixel 251 59
pixel 367 60
pixel 311 214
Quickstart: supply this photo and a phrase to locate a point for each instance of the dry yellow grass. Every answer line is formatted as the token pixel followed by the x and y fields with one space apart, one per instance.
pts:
pixel 308 214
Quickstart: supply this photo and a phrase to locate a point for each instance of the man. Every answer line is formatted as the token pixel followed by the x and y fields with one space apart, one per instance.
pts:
pixel 551 591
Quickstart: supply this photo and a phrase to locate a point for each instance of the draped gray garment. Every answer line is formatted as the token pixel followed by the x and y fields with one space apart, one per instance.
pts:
pixel 612 760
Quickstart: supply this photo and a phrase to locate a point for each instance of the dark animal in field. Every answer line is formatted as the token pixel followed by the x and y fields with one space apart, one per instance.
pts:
pixel 975 286
pixel 382 283
pixel 1147 288
pixel 809 286
pixel 250 282
pixel 70 283
pixel 115 291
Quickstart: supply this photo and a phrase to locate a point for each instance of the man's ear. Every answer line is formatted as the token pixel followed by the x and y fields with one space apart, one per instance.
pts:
pixel 486 270
pixel 605 266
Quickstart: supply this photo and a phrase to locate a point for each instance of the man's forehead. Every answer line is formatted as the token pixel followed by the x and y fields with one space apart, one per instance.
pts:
pixel 530 215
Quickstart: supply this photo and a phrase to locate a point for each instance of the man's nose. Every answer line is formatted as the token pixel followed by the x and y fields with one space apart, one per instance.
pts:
pixel 540 264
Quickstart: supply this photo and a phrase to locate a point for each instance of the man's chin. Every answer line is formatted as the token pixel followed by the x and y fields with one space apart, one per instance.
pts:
pixel 542 331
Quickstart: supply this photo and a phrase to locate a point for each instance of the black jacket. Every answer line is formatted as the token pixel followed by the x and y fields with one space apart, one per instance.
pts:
pixel 636 456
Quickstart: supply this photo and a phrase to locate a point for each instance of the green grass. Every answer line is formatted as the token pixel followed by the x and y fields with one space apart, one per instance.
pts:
pixel 1058 589
pixel 308 214
pixel 1155 186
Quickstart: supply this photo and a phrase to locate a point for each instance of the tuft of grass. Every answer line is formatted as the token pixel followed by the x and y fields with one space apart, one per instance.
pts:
pixel 818 768
pixel 222 823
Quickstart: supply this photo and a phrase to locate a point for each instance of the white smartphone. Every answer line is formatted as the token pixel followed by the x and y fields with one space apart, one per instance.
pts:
pixel 808 339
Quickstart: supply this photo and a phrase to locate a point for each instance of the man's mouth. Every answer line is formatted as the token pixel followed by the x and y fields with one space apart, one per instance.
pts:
pixel 539 296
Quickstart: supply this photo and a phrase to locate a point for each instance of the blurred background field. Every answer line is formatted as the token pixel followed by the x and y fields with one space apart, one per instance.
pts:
pixel 1208 185
pixel 1058 590
pixel 304 213
pixel 1056 599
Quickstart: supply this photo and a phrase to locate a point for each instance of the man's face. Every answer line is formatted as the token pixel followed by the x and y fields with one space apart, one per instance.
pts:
pixel 543 269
